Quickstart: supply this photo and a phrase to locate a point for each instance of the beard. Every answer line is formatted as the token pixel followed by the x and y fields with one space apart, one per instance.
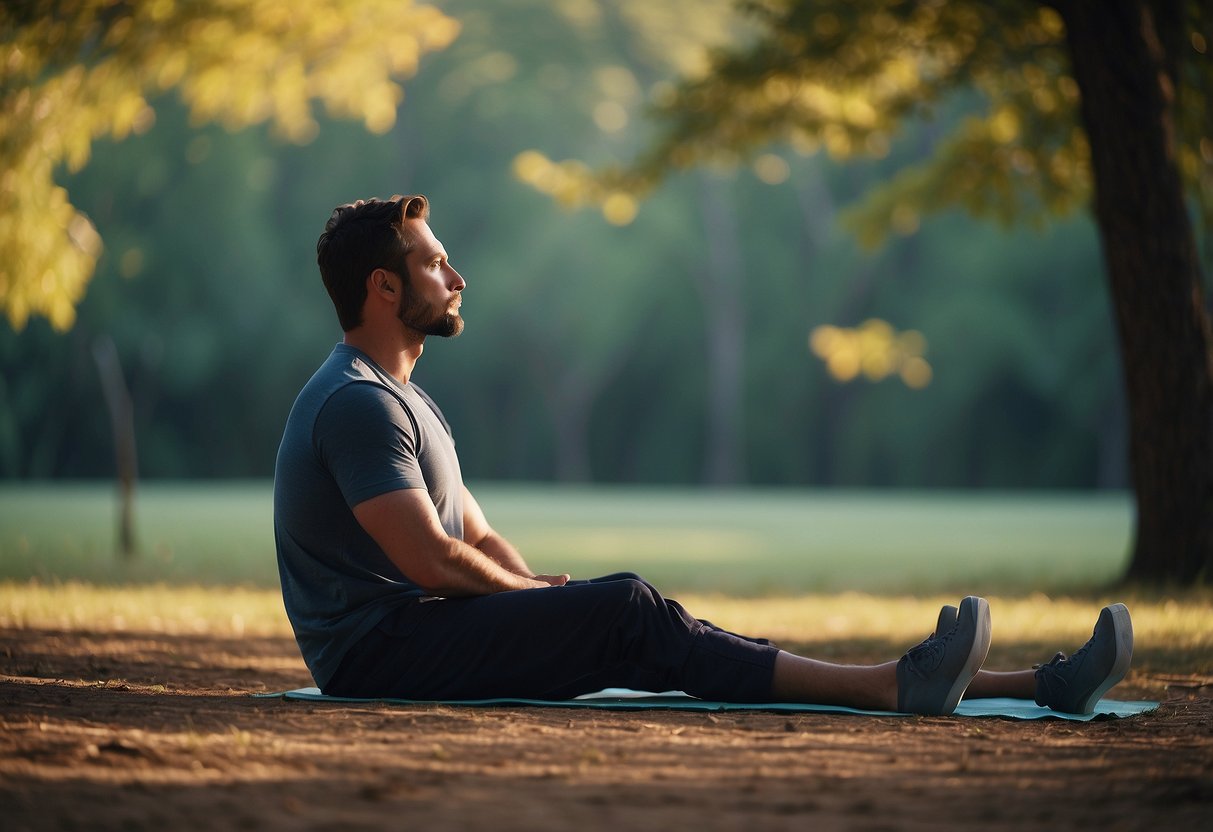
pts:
pixel 426 318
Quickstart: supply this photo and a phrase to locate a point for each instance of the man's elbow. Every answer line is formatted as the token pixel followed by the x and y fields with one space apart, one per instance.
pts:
pixel 434 572
pixel 424 576
pixel 430 584
pixel 483 539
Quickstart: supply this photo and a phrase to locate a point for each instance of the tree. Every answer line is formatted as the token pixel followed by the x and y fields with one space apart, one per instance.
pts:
pixel 1080 96
pixel 73 71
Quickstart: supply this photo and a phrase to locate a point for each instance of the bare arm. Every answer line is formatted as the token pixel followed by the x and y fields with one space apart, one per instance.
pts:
pixel 406 526
pixel 478 533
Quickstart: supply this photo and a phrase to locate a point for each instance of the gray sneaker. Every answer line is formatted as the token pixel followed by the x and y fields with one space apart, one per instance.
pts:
pixel 1074 685
pixel 932 676
pixel 946 621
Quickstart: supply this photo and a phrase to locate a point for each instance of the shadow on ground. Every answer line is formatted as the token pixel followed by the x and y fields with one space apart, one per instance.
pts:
pixel 143 731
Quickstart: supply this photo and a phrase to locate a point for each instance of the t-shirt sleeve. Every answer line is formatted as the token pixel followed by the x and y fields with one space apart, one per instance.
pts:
pixel 368 442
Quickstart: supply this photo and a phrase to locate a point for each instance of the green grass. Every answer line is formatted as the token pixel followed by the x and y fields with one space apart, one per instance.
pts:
pixel 785 541
pixel 746 542
pixel 188 532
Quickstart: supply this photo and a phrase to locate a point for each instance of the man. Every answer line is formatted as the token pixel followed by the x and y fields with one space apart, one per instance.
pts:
pixel 397 586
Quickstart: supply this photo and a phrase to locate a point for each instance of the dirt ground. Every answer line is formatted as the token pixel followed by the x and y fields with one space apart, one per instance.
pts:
pixel 149 731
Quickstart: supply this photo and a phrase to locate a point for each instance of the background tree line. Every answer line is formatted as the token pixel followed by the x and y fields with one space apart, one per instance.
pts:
pixel 671 349
pixel 674 348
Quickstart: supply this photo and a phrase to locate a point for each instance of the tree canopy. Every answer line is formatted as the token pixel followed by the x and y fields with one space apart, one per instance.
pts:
pixel 74 71
pixel 846 76
pixel 592 352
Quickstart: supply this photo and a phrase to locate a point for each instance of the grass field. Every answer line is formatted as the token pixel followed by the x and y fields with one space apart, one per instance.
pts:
pixel 744 542
pixel 786 564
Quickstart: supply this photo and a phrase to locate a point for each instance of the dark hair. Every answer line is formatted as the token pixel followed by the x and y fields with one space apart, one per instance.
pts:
pixel 359 238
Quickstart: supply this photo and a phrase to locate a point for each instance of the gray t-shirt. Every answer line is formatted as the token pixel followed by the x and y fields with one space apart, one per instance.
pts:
pixel 354 433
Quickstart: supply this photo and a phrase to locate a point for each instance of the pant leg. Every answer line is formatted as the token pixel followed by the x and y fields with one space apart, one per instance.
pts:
pixel 553 643
pixel 620 576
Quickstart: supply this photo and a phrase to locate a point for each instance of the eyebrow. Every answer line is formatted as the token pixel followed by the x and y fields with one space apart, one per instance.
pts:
pixel 428 254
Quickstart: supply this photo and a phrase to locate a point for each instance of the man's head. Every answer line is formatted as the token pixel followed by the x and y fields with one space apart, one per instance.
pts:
pixel 363 237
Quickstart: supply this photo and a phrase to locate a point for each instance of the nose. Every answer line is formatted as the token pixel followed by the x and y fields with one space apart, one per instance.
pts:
pixel 455 281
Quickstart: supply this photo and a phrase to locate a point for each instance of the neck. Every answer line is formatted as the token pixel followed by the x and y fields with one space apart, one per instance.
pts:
pixel 395 352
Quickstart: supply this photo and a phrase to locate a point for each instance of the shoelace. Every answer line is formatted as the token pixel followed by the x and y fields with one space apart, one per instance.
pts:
pixel 1051 683
pixel 1073 660
pixel 923 658
pixel 1056 660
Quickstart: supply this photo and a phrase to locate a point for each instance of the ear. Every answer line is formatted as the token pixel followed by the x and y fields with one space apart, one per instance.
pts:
pixel 383 283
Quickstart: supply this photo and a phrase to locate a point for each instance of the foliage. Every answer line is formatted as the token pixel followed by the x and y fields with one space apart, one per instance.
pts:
pixel 585 352
pixel 664 40
pixel 848 77
pixel 73 71
pixel 873 348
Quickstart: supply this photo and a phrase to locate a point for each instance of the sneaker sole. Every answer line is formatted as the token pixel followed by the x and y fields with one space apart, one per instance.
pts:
pixel 979 610
pixel 1122 626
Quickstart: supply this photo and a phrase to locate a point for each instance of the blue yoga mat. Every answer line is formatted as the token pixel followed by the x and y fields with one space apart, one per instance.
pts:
pixel 621 699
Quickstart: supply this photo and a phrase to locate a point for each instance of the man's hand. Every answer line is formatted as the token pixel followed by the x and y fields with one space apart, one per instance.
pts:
pixel 552 580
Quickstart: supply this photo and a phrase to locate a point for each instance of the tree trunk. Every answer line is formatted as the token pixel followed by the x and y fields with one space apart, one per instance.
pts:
pixel 570 387
pixel 1127 85
pixel 122 421
pixel 570 405
pixel 720 280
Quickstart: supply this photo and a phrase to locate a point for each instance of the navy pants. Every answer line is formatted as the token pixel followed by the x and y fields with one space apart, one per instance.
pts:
pixel 554 643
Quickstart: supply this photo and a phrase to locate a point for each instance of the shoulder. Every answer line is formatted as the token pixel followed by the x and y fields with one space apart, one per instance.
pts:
pixel 348 385
pixel 432 405
pixel 363 403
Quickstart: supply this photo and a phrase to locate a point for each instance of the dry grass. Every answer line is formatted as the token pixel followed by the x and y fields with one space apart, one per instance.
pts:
pixel 1177 623
pixel 159 608
pixel 1184 622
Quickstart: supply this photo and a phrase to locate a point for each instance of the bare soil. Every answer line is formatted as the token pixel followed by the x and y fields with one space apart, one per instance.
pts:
pixel 124 730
